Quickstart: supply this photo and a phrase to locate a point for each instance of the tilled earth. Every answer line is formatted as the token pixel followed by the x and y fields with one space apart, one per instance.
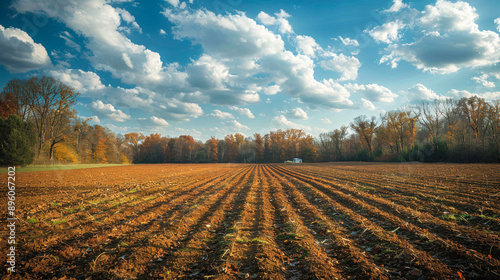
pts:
pixel 267 221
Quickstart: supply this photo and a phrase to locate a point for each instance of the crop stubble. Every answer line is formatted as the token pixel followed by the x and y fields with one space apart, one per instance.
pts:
pixel 275 221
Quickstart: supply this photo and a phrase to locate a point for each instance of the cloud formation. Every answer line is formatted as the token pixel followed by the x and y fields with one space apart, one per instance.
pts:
pixel 297 113
pixel 112 51
pixel 483 80
pixel 221 115
pixel 367 104
pixel 107 111
pixel 280 20
pixel 443 38
pixel 419 93
pixel 243 111
pixel 283 122
pixel 387 32
pixel 19 52
pixel 373 92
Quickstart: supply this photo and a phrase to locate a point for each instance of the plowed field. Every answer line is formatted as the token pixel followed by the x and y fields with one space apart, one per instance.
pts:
pixel 275 221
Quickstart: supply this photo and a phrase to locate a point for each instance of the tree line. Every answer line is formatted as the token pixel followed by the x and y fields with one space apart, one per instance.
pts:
pixel 38 123
pixel 465 130
pixel 276 146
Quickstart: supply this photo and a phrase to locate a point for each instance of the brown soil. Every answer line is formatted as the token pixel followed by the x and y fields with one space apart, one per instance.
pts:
pixel 275 221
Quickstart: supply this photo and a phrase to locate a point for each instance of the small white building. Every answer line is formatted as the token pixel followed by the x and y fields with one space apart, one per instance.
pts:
pixel 297 160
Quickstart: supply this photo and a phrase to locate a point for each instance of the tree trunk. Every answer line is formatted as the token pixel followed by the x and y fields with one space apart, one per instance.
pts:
pixel 51 150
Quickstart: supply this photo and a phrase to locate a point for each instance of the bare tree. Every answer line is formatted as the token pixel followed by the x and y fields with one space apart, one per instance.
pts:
pixel 431 117
pixel 475 109
pixel 50 102
pixel 338 136
pixel 365 128
pixel 15 91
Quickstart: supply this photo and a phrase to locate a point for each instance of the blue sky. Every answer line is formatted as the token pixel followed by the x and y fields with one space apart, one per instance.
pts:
pixel 209 68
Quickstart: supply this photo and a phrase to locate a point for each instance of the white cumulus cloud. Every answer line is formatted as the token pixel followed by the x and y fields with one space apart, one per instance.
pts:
pixel 280 20
pixel 221 115
pixel 104 27
pixel 373 92
pixel 443 38
pixel 271 90
pixel 347 65
pixel 282 121
pixel 234 125
pixel 483 80
pixel 419 92
pixel 387 32
pixel 19 52
pixel 367 104
pixel 243 111
pixel 108 111
pixel 84 82
pixel 349 42
pixel 297 113
pixel 397 6
pixel 307 45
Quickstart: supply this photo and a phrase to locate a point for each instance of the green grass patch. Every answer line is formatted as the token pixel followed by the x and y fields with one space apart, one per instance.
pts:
pixel 58 222
pixel 55 204
pixel 70 210
pixel 488 217
pixel 456 216
pixel 151 197
pixel 97 202
pixel 364 188
pixel 257 240
pixel 241 240
pixel 32 220
pixel 134 190
pixel 449 217
pixel 286 236
pixel 52 167
pixel 288 227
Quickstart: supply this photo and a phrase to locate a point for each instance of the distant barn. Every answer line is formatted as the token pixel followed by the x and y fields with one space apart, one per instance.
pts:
pixel 297 160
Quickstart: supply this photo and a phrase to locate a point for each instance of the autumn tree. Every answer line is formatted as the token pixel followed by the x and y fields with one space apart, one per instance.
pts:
pixel 99 145
pixel 259 148
pixel 133 140
pixel 308 151
pixel 212 146
pixel 493 117
pixel 338 137
pixel 475 110
pixel 221 149
pixel 399 129
pixel 51 104
pixel 292 138
pixel 152 149
pixel 8 104
pixel 431 118
pixel 187 149
pixel 325 147
pixel 231 148
pixel 44 102
pixel 15 99
pixel 246 151
pixel 365 128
